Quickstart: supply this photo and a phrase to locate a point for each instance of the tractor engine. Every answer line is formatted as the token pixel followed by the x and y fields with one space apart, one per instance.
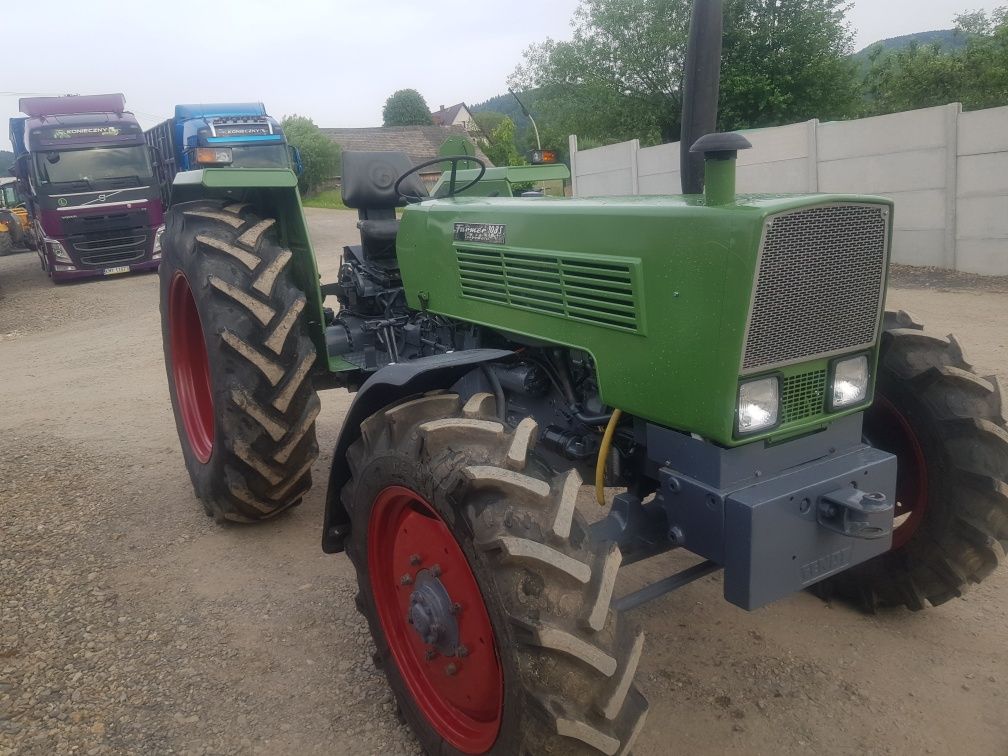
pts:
pixel 374 326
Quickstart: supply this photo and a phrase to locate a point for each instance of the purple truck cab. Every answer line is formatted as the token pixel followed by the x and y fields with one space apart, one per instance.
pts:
pixel 94 204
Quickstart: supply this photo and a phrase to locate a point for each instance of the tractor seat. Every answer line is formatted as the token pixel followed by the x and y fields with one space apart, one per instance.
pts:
pixel 378 236
pixel 368 185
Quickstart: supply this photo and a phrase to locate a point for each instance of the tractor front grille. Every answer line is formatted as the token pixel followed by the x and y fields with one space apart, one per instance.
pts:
pixel 802 396
pixel 818 285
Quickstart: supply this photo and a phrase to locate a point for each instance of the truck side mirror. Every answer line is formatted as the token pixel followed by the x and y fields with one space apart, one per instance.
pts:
pixel 295 154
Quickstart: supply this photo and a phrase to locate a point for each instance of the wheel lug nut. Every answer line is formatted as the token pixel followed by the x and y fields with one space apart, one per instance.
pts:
pixel 405 580
pixel 436 570
pixel 414 559
pixel 430 654
pixel 462 651
pixel 456 607
pixel 450 670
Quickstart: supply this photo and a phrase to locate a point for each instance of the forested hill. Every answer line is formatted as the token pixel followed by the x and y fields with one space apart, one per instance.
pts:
pixel 507 105
pixel 948 39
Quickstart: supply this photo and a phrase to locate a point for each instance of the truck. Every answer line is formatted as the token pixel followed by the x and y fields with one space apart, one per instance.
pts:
pixel 91 199
pixel 719 366
pixel 232 135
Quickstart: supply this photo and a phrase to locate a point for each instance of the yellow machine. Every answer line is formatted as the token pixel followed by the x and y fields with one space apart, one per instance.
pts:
pixel 15 228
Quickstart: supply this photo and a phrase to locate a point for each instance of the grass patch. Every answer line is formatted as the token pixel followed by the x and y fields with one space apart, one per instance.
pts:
pixel 330 199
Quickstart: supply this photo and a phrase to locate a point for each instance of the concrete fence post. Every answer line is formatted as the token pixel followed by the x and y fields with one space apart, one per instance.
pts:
pixel 572 150
pixel 952 111
pixel 634 146
pixel 812 132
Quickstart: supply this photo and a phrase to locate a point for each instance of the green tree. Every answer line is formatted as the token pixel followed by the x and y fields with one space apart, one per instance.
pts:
pixel 406 107
pixel 500 147
pixel 620 75
pixel 488 120
pixel 319 154
pixel 921 76
pixel 785 62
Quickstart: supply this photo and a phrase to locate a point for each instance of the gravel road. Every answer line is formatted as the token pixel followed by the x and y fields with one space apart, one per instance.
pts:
pixel 130 623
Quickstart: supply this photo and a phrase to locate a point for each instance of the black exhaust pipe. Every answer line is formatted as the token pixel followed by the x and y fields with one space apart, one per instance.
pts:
pixel 701 85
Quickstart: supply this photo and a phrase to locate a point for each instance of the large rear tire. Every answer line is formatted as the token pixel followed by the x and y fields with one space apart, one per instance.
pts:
pixel 6 243
pixel 238 360
pixel 944 424
pixel 14 227
pixel 527 657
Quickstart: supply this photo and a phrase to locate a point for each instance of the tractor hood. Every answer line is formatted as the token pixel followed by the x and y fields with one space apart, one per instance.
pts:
pixel 676 301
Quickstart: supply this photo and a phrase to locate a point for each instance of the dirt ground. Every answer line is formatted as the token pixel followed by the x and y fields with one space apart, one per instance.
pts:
pixel 129 622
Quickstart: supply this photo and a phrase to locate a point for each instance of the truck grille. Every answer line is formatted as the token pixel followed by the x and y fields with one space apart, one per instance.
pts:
pixel 818 286
pixel 104 248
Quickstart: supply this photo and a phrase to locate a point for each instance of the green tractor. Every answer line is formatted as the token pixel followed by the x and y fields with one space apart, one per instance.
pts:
pixel 724 359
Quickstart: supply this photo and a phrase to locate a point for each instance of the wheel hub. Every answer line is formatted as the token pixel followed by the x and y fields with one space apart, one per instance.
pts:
pixel 887 428
pixel 434 619
pixel 430 613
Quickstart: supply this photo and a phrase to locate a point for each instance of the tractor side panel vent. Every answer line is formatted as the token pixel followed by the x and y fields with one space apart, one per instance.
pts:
pixel 600 291
pixel 819 285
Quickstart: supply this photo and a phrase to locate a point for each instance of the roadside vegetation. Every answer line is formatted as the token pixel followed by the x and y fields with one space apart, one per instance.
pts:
pixel 329 199
pixel 319 154
pixel 618 76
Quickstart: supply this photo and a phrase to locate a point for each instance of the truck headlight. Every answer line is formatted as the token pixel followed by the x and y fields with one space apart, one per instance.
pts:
pixel 213 155
pixel 156 252
pixel 850 381
pixel 58 251
pixel 758 405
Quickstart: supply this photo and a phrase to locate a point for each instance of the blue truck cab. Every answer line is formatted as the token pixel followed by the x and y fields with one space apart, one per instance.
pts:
pixel 219 135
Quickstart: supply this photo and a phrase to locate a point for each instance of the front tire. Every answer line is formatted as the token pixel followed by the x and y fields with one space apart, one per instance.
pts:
pixel 442 496
pixel 944 424
pixel 238 360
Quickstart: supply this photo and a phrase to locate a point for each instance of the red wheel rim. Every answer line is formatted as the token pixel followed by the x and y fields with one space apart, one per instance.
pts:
pixel 190 368
pixel 888 429
pixel 406 537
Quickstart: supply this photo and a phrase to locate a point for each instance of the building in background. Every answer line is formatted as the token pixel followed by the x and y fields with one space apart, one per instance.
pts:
pixel 459 115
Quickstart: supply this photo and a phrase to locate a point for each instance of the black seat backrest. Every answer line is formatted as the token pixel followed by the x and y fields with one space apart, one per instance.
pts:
pixel 368 179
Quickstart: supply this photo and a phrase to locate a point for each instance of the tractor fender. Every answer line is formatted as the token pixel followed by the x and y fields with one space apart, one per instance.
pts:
pixel 385 387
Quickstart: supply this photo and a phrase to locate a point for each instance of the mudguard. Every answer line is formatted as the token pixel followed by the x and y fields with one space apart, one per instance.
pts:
pixel 389 385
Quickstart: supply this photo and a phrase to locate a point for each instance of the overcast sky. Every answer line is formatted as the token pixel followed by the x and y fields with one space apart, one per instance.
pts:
pixel 335 61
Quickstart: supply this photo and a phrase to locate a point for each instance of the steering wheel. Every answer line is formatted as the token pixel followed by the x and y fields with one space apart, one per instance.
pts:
pixel 454 160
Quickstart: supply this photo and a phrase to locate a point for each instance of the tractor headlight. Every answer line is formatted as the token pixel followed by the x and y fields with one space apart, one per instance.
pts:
pixel 850 381
pixel 758 405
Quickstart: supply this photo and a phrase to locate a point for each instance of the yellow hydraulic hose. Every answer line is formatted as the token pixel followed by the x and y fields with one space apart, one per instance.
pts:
pixel 603 455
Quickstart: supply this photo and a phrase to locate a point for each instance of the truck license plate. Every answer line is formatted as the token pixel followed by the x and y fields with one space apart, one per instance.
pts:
pixel 117 270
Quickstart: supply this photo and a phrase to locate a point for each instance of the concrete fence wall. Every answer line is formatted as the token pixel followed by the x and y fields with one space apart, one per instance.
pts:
pixel 946 170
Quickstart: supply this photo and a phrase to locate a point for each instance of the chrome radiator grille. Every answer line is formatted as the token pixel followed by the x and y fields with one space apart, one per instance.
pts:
pixel 818 286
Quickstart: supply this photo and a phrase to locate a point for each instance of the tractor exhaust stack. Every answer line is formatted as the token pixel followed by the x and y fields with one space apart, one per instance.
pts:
pixel 701 84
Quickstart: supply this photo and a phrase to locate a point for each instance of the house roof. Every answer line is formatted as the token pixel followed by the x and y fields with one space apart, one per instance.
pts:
pixel 446 116
pixel 420 143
